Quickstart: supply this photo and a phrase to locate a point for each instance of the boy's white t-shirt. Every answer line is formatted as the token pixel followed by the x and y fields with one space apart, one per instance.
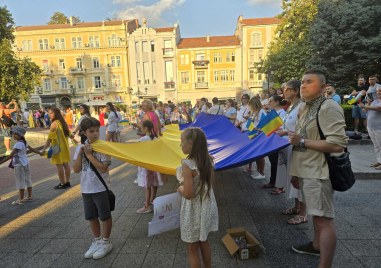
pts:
pixel 20 159
pixel 90 182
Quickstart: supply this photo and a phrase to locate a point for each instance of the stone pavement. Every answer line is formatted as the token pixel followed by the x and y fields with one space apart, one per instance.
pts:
pixel 51 230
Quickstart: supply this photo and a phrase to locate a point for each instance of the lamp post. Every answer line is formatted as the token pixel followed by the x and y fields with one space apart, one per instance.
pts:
pixel 269 74
pixel 73 91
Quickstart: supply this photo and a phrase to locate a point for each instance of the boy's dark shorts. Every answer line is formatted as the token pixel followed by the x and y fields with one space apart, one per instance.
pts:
pixel 96 206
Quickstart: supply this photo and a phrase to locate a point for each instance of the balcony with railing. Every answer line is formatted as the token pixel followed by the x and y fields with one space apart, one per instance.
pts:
pixel 168 52
pixel 201 85
pixel 47 72
pixel 200 64
pixel 168 85
pixel 77 70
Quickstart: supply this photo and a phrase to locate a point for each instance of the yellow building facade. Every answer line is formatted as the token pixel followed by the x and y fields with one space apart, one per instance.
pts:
pixel 81 63
pixel 208 67
pixel 255 35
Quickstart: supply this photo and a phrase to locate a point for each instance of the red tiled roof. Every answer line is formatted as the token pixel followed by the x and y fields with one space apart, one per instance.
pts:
pixel 214 41
pixel 166 29
pixel 260 21
pixel 67 26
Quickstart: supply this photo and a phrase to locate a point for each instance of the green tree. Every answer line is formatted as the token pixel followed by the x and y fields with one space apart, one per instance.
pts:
pixel 346 40
pixel 6 24
pixel 289 51
pixel 61 18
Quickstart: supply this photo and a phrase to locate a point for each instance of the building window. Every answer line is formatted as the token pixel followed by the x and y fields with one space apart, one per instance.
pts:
pixel 81 82
pixel 76 42
pixel 153 72
pixel 137 47
pixel 252 56
pixel 232 73
pixel 184 59
pixel 168 71
pixel 260 54
pixel 184 77
pixel 97 82
pixel 230 57
pixel 113 41
pixel 115 61
pixel 47 84
pixel 224 76
pixel 94 41
pixel 43 44
pixel 63 83
pixel 217 57
pixel 116 82
pixel 96 64
pixel 256 39
pixel 145 46
pixel 146 72
pixel 45 65
pixel 259 77
pixel 138 72
pixel 216 74
pixel 200 56
pixel 27 45
pixel 251 74
pixel 61 64
pixel 152 46
pixel 200 76
pixel 78 62
pixel 59 43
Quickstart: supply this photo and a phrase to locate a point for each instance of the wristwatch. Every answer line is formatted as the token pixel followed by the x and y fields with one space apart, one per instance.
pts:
pixel 302 146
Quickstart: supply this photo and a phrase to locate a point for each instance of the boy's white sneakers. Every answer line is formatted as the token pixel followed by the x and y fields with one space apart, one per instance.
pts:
pixel 103 250
pixel 98 249
pixel 93 248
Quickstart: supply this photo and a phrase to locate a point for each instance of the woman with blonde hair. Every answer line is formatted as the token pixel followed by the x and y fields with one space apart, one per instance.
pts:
pixel 150 115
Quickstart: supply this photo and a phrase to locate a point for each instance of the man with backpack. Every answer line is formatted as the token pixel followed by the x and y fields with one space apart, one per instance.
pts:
pixel 6 122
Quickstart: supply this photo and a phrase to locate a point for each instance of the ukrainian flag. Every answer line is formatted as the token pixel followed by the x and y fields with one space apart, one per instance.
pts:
pixel 124 122
pixel 270 123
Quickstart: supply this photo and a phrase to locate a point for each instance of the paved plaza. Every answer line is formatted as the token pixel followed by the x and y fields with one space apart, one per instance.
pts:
pixel 51 231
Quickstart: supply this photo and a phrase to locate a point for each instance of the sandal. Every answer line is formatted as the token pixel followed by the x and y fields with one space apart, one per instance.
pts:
pixel 378 168
pixel 17 202
pixel 28 199
pixel 268 185
pixel 291 211
pixel 277 191
pixel 297 219
pixel 375 165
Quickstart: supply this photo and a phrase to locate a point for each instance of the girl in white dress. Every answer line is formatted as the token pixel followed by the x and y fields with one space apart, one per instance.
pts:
pixel 199 213
pixel 292 94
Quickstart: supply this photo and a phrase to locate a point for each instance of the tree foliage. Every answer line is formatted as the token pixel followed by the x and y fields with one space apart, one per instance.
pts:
pixel 290 50
pixel 18 77
pixel 346 40
pixel 61 18
pixel 6 24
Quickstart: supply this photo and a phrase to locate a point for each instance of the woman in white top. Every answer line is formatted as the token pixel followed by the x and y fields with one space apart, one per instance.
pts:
pixel 292 95
pixel 112 122
pixel 230 111
pixel 243 113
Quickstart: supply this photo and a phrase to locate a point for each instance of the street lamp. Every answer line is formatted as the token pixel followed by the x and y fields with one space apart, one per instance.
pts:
pixel 73 91
pixel 269 74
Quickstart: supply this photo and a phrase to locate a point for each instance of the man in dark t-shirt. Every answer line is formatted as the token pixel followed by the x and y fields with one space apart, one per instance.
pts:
pixel 357 112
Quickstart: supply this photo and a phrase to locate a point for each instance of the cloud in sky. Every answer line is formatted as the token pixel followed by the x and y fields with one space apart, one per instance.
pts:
pixel 274 3
pixel 153 12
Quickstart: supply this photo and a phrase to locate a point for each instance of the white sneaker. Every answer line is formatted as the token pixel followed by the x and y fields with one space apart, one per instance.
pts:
pixel 258 176
pixel 103 250
pixel 93 248
pixel 136 181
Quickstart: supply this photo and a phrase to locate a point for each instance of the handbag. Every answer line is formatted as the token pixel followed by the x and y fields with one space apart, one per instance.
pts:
pixel 7 121
pixel 55 149
pixel 110 194
pixel 340 169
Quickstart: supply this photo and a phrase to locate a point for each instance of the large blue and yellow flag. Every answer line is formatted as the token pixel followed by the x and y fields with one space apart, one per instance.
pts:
pixel 270 123
pixel 227 145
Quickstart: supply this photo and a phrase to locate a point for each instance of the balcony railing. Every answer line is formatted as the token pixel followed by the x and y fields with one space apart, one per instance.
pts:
pixel 169 85
pixel 47 72
pixel 77 70
pixel 168 51
pixel 201 85
pixel 200 64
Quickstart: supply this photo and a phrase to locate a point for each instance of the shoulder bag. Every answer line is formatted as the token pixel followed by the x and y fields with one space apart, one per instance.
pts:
pixel 111 195
pixel 55 149
pixel 340 169
pixel 7 121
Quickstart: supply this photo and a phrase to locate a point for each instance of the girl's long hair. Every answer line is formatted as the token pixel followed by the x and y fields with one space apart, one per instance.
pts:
pixel 200 155
pixel 112 108
pixel 86 108
pixel 149 125
pixel 58 116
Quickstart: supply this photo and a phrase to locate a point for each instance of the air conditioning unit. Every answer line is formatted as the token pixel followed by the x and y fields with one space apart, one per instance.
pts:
pixel 51 46
pixel 87 45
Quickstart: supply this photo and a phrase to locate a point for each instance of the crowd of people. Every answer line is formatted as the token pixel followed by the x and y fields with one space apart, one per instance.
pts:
pixel 299 170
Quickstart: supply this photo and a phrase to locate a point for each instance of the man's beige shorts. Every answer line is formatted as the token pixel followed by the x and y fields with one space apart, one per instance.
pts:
pixel 318 196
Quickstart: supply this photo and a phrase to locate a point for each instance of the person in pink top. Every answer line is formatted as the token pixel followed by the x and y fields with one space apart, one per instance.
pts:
pixel 150 115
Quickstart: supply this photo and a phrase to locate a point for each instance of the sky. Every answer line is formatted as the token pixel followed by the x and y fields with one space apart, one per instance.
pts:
pixel 195 17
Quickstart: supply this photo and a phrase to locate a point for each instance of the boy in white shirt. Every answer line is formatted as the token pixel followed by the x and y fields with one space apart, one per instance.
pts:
pixel 94 194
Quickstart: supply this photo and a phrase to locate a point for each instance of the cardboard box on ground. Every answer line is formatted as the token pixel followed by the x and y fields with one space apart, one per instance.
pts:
pixel 249 246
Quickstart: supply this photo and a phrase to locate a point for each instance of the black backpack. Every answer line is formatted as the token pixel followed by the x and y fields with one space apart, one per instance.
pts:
pixel 7 121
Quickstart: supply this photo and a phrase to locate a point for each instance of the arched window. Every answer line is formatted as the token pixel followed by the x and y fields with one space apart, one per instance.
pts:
pixel 256 39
